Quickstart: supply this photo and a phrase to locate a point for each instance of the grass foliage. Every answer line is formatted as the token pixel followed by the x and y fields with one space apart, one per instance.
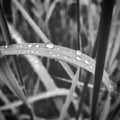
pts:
pixel 47 89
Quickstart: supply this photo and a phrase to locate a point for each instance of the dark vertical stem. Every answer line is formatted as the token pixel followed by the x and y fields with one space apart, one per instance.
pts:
pixel 102 38
pixel 89 74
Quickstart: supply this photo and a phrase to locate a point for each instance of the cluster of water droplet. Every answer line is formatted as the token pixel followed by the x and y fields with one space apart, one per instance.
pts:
pixel 66 53
pixel 53 51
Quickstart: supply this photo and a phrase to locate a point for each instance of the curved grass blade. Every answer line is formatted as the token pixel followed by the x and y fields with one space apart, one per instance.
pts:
pixel 41 96
pixel 38 67
pixel 102 38
pixel 40 33
pixel 9 79
pixel 57 52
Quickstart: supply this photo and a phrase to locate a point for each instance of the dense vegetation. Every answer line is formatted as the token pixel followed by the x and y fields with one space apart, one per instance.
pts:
pixel 49 83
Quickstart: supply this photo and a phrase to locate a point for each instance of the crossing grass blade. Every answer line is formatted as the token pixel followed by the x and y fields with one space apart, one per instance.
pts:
pixel 70 96
pixel 102 39
pixel 113 36
pixel 40 33
pixel 38 67
pixel 116 47
pixel 106 108
pixel 41 96
pixel 8 41
pixel 9 79
pixel 5 71
pixel 56 52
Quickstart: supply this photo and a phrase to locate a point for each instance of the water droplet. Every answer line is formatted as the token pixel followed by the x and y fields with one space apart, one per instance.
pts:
pixel 53 55
pixel 20 45
pixel 78 58
pixel 6 46
pixel 66 57
pixel 57 55
pixel 87 62
pixel 110 87
pixel 91 66
pixel 50 45
pixel 37 46
pixel 29 45
pixel 78 52
pixel 36 61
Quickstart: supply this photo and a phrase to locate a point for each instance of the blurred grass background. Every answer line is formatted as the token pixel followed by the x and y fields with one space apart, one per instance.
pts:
pixel 58 20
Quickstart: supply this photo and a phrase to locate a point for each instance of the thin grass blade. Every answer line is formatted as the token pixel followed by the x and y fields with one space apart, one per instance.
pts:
pixel 39 32
pixel 37 66
pixel 56 52
pixel 70 96
pixel 8 41
pixel 106 108
pixel 9 79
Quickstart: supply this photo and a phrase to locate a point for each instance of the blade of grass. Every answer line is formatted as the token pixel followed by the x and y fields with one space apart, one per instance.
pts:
pixel 88 76
pixel 113 67
pixel 50 10
pixel 80 84
pixel 115 108
pixel 83 95
pixel 112 32
pixel 16 89
pixel 2 117
pixel 115 50
pixel 37 66
pixel 115 112
pixel 70 96
pixel 39 32
pixel 102 37
pixel 6 101
pixel 106 108
pixel 8 41
pixel 9 79
pixel 37 97
pixel 78 36
pixel 90 24
pixel 56 52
